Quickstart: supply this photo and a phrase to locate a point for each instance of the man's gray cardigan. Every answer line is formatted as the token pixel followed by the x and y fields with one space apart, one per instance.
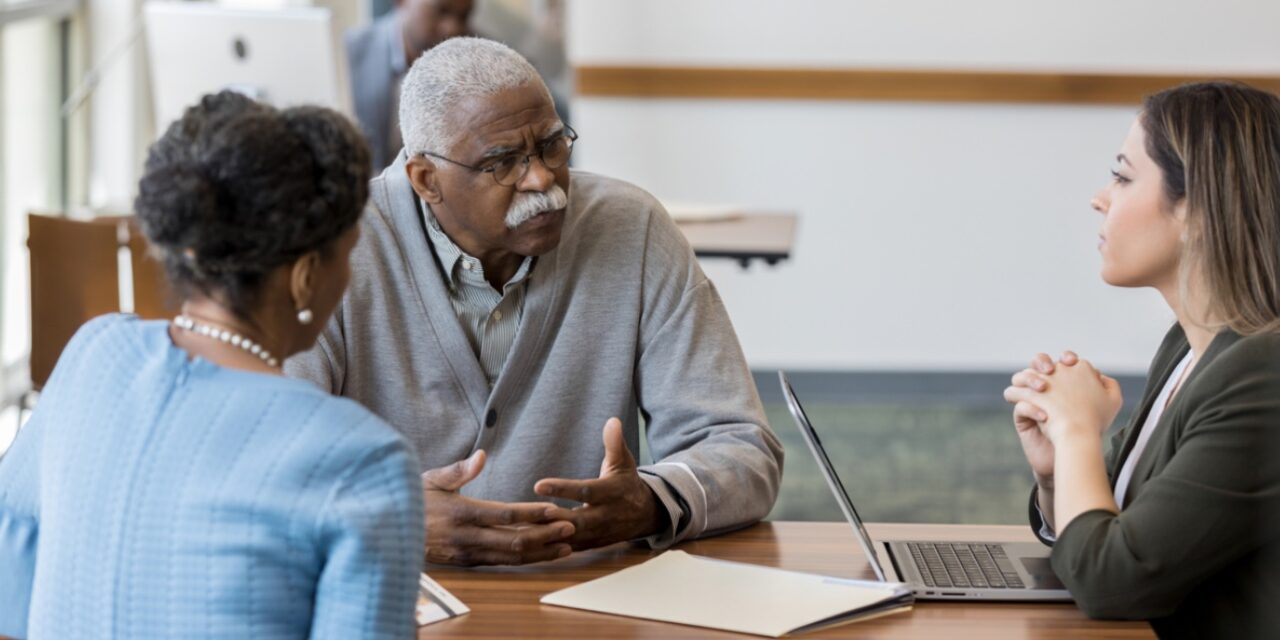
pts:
pixel 619 321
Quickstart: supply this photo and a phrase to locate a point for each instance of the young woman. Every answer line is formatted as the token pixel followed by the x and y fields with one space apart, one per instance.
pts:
pixel 1179 522
pixel 172 483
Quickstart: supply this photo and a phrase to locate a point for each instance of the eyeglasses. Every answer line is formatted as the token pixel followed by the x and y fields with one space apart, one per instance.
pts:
pixel 509 169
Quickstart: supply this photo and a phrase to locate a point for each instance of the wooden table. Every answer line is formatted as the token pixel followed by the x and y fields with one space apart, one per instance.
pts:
pixel 747 237
pixel 504 601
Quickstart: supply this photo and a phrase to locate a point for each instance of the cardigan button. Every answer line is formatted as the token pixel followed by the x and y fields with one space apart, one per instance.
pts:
pixel 491 418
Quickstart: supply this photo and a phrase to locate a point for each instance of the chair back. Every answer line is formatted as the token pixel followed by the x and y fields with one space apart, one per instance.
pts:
pixel 75 277
pixel 152 297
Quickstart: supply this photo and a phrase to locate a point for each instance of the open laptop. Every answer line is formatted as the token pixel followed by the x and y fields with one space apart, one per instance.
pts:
pixel 940 570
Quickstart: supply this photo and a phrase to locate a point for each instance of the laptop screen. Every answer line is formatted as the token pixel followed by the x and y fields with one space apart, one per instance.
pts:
pixel 829 472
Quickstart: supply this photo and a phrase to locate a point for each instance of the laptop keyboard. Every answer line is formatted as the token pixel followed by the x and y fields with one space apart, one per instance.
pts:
pixel 978 565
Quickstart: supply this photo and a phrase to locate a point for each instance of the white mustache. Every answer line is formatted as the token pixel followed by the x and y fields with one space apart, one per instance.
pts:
pixel 526 205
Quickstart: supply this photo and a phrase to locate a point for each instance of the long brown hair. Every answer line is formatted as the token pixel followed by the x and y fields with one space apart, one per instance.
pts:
pixel 1218 145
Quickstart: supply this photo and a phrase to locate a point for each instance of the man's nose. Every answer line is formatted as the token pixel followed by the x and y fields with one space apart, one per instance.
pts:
pixel 538 177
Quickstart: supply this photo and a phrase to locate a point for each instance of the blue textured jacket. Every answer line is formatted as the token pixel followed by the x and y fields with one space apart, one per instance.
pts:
pixel 156 496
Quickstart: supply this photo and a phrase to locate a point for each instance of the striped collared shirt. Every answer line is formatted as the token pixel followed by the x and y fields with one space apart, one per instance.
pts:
pixel 490 319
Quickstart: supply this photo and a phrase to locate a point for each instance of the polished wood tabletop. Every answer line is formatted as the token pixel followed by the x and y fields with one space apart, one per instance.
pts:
pixel 743 237
pixel 504 601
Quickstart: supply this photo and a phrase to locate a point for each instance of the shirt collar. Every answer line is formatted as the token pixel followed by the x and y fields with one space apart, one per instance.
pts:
pixel 460 268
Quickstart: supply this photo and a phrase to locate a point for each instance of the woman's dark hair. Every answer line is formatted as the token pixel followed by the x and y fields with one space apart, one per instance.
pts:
pixel 1218 148
pixel 236 189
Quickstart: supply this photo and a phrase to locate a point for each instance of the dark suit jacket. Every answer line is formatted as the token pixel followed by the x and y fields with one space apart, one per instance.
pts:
pixel 370 56
pixel 1196 547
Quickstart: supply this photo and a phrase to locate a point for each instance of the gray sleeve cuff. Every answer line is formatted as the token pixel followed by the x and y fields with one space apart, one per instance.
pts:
pixel 673 506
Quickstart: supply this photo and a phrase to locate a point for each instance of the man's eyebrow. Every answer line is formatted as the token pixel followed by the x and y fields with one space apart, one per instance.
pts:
pixel 555 132
pixel 497 152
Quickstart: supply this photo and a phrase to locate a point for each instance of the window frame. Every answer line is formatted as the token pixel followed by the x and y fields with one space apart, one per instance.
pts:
pixel 13 375
pixel 37 9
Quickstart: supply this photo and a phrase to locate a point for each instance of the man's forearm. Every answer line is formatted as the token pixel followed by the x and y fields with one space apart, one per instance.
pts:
pixel 671 512
pixel 656 520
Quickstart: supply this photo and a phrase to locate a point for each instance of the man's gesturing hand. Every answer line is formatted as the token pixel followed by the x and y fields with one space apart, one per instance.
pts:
pixel 467 531
pixel 617 506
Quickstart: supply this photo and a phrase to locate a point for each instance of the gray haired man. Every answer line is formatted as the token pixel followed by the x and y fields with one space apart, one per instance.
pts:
pixel 510 320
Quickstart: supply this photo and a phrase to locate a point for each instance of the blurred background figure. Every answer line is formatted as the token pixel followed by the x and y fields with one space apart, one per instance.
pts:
pixel 535 29
pixel 378 54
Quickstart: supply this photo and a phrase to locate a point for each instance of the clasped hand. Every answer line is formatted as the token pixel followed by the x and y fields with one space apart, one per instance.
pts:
pixel 616 506
pixel 1055 402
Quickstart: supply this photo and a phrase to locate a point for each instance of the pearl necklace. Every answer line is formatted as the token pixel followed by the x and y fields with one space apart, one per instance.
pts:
pixel 222 335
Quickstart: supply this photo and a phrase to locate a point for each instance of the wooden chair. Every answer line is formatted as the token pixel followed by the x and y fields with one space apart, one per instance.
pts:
pixel 152 297
pixel 75 277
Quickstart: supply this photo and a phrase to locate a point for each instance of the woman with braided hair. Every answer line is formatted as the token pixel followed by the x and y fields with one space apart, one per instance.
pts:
pixel 172 483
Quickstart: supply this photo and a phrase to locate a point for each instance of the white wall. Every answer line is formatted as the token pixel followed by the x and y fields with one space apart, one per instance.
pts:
pixel 1104 35
pixel 933 236
pixel 28 171
pixel 118 109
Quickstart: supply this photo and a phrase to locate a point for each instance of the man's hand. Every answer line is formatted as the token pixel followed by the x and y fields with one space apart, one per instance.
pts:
pixel 617 506
pixel 466 531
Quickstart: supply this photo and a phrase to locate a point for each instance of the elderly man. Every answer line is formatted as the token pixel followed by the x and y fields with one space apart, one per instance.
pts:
pixel 512 320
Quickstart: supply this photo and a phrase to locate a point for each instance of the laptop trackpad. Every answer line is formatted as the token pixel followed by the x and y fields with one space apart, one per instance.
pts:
pixel 1042 576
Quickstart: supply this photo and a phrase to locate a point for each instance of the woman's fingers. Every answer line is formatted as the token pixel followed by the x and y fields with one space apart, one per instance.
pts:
pixel 1029 379
pixel 1042 362
pixel 1025 412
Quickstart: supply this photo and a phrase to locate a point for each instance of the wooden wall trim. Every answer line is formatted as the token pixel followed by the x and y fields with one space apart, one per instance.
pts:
pixel 880 84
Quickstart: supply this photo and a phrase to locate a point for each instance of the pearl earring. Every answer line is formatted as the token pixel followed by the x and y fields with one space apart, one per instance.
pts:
pixel 305 316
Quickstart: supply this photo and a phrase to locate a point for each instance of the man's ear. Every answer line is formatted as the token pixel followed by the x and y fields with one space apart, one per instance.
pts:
pixel 422 175
pixel 302 280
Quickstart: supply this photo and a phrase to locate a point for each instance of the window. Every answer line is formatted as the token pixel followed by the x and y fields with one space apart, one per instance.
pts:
pixel 33 160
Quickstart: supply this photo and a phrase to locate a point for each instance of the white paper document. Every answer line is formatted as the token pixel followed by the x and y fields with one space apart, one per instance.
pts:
pixel 705 592
pixel 435 603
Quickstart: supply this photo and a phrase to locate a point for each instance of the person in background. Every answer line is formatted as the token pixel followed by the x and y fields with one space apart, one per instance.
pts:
pixel 171 483
pixel 535 29
pixel 1179 522
pixel 517 320
pixel 379 54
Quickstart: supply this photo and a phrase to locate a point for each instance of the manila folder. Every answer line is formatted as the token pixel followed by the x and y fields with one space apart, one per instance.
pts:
pixel 705 592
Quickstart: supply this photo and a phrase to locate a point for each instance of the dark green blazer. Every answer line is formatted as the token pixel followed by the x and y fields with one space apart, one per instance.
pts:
pixel 1196 547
